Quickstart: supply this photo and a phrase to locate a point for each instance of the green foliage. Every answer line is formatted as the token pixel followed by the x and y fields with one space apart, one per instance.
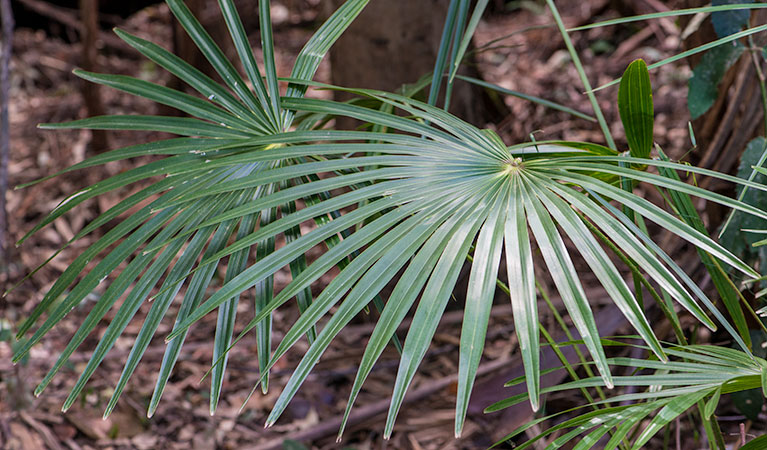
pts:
pixel 695 373
pixel 740 242
pixel 730 22
pixel 404 204
pixel 635 108
pixel 750 401
pixel 707 75
pixel 756 444
pixel 715 62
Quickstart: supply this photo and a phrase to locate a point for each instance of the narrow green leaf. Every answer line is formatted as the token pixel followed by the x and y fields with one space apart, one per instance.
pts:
pixel 523 96
pixel 240 39
pixel 386 257
pixel 192 298
pixel 566 279
pixel 672 13
pixel 194 78
pixel 189 104
pixel 433 302
pixel 175 146
pixel 311 55
pixel 264 293
pixel 213 53
pixel 400 301
pixel 711 404
pixel 668 413
pixel 267 46
pixel 442 53
pixel 184 126
pixel 693 51
pixel 304 297
pixel 157 312
pixel 636 108
pixel 600 263
pixel 524 305
pixel 132 303
pixel 227 312
pixel 476 16
pixel 479 301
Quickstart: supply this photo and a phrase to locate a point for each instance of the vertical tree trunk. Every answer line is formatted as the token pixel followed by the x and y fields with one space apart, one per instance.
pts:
pixel 395 42
pixel 89 12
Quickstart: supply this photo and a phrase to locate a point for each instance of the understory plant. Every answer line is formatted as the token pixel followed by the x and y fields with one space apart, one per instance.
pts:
pixel 405 201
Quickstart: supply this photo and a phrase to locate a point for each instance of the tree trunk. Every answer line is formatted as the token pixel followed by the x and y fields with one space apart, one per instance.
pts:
pixel 89 14
pixel 395 42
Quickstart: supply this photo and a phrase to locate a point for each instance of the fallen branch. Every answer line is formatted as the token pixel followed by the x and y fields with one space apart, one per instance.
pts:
pixel 329 427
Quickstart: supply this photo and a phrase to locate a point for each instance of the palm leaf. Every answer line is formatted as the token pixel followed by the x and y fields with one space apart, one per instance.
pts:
pixel 414 200
pixel 694 373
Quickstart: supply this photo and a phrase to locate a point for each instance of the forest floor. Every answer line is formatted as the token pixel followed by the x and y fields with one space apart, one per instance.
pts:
pixel 531 59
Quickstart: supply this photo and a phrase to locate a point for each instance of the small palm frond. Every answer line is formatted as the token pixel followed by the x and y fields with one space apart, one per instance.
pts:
pixel 694 373
pixel 226 120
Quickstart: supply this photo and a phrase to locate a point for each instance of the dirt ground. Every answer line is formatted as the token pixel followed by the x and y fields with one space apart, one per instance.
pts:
pixel 531 59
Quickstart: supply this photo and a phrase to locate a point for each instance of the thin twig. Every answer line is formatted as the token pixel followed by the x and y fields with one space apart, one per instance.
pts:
pixel 5 139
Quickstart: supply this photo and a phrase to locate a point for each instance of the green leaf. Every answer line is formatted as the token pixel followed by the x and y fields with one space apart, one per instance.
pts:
pixel 733 238
pixel 441 62
pixel 194 78
pixel 711 404
pixel 636 108
pixel 706 76
pixel 523 96
pixel 479 301
pixel 756 443
pixel 240 39
pixel 384 259
pixel 264 293
pixel 729 22
pixel 311 55
pixel 400 301
pixel 471 27
pixel 270 65
pixel 742 5
pixel 524 305
pixel 566 279
pixel 183 126
pixel 189 104
pixel 749 402
pixel 433 302
pixel 192 298
pixel 698 49
pixel 213 53
pixel 227 312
